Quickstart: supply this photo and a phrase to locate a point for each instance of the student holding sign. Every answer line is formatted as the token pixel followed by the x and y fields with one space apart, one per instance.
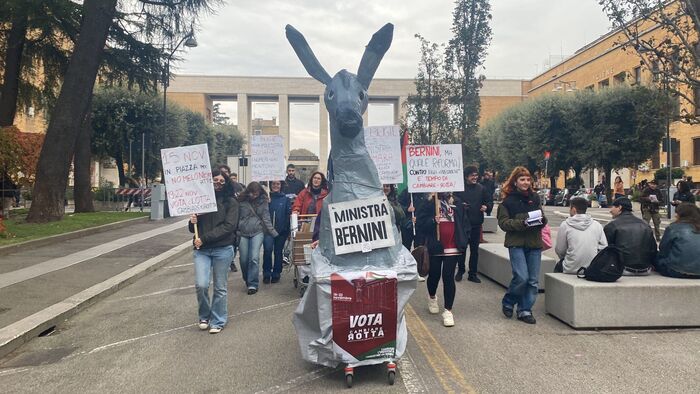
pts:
pixel 520 215
pixel 452 225
pixel 214 234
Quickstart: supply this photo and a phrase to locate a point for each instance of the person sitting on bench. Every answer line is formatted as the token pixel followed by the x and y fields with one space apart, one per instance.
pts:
pixel 632 236
pixel 579 238
pixel 679 251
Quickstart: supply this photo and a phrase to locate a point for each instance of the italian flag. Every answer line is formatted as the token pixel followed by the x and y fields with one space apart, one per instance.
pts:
pixel 404 142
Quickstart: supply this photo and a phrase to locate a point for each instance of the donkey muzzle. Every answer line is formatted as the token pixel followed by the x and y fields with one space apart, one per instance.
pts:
pixel 349 122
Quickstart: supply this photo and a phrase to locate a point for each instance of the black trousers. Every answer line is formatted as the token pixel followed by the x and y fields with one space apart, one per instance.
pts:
pixel 443 266
pixel 474 238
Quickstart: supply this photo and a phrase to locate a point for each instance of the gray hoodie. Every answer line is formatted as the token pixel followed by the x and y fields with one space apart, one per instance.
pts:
pixel 578 241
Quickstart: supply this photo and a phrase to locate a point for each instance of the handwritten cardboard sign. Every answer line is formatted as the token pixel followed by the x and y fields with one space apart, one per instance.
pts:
pixel 434 168
pixel 188 181
pixel 384 147
pixel 361 225
pixel 267 158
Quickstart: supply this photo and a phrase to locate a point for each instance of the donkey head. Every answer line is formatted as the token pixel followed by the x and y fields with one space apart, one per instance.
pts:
pixel 346 93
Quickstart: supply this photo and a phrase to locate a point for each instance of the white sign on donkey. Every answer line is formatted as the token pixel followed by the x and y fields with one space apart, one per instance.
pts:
pixel 267 158
pixel 188 180
pixel 361 225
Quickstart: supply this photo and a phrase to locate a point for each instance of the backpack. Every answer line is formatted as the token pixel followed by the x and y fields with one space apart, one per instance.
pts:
pixel 606 266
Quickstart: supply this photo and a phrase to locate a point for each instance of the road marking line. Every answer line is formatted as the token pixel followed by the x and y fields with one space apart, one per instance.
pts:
pixel 177 266
pixel 153 294
pixel 445 369
pixel 20 275
pixel 299 380
pixel 130 340
pixel 411 377
pixel 13 371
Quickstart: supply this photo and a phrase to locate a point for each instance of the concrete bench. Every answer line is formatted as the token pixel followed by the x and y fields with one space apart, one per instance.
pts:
pixel 494 263
pixel 631 302
pixel 490 224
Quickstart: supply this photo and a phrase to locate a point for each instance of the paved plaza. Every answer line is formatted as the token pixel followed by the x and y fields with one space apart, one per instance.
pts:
pixel 143 338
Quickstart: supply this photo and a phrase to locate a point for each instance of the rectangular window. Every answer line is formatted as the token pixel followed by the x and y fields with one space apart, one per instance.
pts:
pixel 655 160
pixel 655 71
pixel 638 75
pixel 619 79
pixel 604 83
pixel 589 87
pixel 696 151
pixel 696 100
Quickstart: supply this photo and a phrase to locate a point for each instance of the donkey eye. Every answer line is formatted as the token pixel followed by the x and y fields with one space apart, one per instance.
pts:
pixel 362 95
pixel 331 94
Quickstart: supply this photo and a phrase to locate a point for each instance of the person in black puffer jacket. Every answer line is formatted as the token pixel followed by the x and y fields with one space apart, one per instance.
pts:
pixel 632 236
pixel 280 209
pixel 478 200
pixel 254 223
pixel 524 243
pixel 212 255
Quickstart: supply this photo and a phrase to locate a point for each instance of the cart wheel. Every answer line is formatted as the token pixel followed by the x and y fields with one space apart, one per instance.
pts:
pixel 296 277
pixel 296 282
pixel 391 372
pixel 302 290
pixel 349 372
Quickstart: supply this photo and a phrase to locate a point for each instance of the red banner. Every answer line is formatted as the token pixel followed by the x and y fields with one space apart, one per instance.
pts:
pixel 364 313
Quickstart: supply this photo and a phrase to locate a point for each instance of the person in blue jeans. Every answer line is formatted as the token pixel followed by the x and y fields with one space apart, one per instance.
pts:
pixel 212 255
pixel 253 223
pixel 524 242
pixel 280 209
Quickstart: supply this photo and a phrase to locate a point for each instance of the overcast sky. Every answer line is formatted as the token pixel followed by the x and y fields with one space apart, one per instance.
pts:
pixel 246 37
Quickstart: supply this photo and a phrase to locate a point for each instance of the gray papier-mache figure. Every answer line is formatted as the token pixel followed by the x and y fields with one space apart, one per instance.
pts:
pixel 353 310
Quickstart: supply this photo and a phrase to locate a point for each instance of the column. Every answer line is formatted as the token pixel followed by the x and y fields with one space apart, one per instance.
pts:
pixel 400 109
pixel 283 101
pixel 322 135
pixel 244 117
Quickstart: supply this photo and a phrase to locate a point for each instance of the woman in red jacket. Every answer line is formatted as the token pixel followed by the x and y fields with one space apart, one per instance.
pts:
pixel 310 200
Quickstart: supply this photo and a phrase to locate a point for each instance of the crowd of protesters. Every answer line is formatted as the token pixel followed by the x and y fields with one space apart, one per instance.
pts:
pixel 449 225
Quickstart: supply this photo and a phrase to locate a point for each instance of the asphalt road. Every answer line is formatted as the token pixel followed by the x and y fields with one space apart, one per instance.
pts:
pixel 144 339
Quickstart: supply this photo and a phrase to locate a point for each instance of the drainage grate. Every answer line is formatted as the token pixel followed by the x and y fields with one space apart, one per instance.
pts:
pixel 48 331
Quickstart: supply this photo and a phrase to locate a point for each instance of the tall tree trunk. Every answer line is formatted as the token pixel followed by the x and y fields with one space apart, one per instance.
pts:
pixel 13 66
pixel 82 192
pixel 120 170
pixel 71 107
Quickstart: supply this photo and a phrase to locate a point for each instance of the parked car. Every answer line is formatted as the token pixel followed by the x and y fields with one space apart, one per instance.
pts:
pixel 562 198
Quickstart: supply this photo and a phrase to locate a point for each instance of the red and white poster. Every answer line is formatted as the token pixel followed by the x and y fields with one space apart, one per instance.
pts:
pixel 364 314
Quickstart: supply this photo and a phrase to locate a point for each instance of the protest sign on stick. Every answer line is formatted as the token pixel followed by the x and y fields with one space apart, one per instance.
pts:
pixel 434 168
pixel 384 147
pixel 267 158
pixel 188 181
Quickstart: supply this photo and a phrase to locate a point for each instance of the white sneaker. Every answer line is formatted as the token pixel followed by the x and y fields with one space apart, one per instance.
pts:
pixel 203 324
pixel 433 305
pixel 214 330
pixel 448 319
pixel 421 278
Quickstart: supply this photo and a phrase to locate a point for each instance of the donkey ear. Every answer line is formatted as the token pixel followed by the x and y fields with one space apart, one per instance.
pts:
pixel 375 50
pixel 306 55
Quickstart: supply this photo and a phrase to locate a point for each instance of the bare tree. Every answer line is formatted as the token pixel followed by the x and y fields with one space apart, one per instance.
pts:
pixel 665 35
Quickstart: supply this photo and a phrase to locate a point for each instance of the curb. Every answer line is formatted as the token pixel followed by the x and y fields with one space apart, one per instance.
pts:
pixel 22 331
pixel 35 243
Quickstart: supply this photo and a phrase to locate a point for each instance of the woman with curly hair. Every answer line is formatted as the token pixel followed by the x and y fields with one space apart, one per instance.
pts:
pixel 310 200
pixel 524 243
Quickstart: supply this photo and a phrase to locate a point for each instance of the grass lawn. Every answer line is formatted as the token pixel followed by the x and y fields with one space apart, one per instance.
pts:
pixel 17 230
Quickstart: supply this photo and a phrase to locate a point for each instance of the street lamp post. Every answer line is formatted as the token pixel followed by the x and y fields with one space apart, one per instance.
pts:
pixel 190 42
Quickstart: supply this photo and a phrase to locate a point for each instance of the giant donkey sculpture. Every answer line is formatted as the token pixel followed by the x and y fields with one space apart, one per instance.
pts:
pixel 354 177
